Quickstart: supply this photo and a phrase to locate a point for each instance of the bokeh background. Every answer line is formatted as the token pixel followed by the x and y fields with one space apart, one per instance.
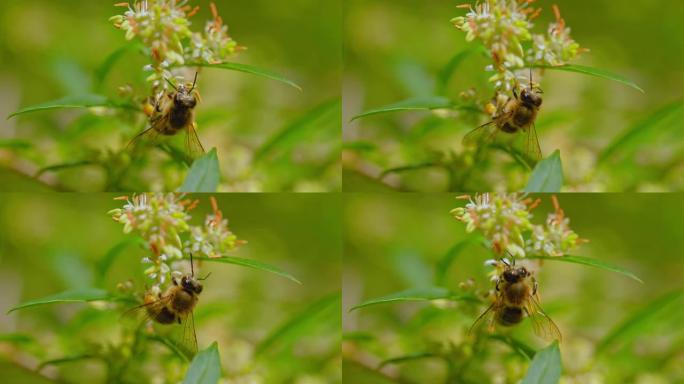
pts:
pixel 51 49
pixel 402 237
pixel 395 49
pixel 54 242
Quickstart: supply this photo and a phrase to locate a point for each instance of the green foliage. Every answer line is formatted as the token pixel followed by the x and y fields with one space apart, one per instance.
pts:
pixel 590 262
pixel 74 296
pixel 261 72
pixel 205 367
pixel 597 72
pixel 546 366
pixel 203 175
pixel 547 175
pixel 300 324
pixel 249 263
pixel 450 256
pixel 416 294
pixel 413 104
pixel 78 101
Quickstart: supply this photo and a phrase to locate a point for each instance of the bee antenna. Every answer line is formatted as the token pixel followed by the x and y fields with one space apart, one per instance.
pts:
pixel 205 277
pixel 192 267
pixel 171 84
pixel 193 82
pixel 530 77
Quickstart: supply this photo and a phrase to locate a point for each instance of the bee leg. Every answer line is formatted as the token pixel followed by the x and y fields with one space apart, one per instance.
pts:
pixel 536 285
pixel 178 319
pixel 515 93
pixel 497 285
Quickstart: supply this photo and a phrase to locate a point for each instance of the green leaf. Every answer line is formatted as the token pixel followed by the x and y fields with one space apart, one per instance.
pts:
pixel 448 258
pixel 635 134
pixel 16 338
pixel 640 321
pixel 77 295
pixel 59 167
pixel 448 70
pixel 590 262
pixel 413 104
pixel 518 346
pixel 359 146
pixel 415 294
pixel 411 167
pixel 15 144
pixel 104 263
pixel 177 348
pixel 547 176
pixel 299 324
pixel 103 69
pixel 283 138
pixel 545 367
pixel 602 73
pixel 410 357
pixel 82 101
pixel 248 69
pixel 203 175
pixel 205 367
pixel 67 359
pixel 260 265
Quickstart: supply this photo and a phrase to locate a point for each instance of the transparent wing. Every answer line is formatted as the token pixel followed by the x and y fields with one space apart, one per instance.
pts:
pixel 143 308
pixel 488 316
pixel 149 135
pixel 193 146
pixel 483 134
pixel 532 147
pixel 541 323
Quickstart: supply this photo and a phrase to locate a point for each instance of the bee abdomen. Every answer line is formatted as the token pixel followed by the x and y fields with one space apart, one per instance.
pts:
pixel 510 315
pixel 179 117
pixel 164 316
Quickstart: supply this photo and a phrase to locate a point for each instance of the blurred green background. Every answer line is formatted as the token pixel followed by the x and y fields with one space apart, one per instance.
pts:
pixel 401 237
pixel 394 50
pixel 54 242
pixel 51 49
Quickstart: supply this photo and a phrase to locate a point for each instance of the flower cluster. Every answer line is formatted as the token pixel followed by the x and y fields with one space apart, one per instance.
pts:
pixel 505 220
pixel 503 26
pixel 161 220
pixel 164 29
pixel 214 238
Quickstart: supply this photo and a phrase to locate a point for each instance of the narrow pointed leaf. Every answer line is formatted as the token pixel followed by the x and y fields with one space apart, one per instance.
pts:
pixel 205 367
pixel 255 264
pixel 411 167
pixel 59 167
pixel 639 322
pixel 203 175
pixel 287 137
pixel 82 101
pixel 547 176
pixel 546 366
pixel 448 70
pixel 602 73
pixel 414 104
pixel 299 324
pixel 415 294
pixel 266 73
pixel 77 295
pixel 411 357
pixel 635 135
pixel 518 346
pixel 590 262
pixel 448 258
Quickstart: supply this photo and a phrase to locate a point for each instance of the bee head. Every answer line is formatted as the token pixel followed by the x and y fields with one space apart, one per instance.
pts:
pixel 514 275
pixel 531 97
pixel 191 284
pixel 184 98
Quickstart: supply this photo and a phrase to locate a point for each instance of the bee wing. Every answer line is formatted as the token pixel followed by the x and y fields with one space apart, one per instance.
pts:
pixel 161 302
pixel 189 333
pixel 541 322
pixel 150 135
pixel 483 134
pixel 486 315
pixel 532 147
pixel 193 145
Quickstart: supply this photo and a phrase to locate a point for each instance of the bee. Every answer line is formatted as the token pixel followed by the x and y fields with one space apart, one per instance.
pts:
pixel 517 297
pixel 173 112
pixel 517 114
pixel 176 305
